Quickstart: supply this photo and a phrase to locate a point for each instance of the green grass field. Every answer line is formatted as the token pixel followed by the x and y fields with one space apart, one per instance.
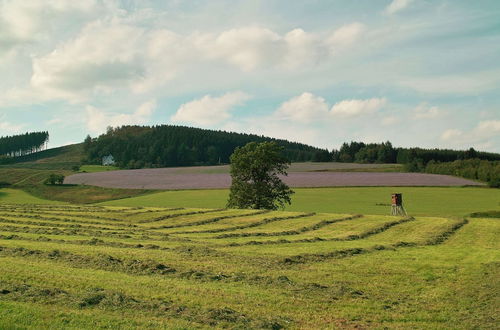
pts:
pixel 17 196
pixel 178 259
pixel 448 201
pixel 88 267
pixel 97 168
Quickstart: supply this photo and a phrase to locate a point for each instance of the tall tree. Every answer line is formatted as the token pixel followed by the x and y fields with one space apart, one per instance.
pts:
pixel 255 181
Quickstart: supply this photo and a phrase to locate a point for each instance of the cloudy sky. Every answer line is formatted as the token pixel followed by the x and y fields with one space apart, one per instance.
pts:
pixel 415 72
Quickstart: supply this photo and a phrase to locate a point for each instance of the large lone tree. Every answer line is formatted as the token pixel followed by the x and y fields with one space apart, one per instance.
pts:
pixel 256 184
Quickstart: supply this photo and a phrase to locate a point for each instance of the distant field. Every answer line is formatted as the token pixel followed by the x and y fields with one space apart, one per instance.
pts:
pixel 91 267
pixel 177 178
pixel 441 201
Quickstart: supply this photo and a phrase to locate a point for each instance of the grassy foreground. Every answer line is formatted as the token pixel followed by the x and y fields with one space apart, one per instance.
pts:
pixel 441 201
pixel 93 267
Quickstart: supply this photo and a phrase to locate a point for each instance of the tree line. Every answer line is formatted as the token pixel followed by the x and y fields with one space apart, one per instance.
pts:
pixel 384 152
pixel 470 164
pixel 475 169
pixel 23 144
pixel 168 145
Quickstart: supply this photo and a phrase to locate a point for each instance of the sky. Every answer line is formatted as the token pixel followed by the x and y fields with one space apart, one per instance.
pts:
pixel 415 72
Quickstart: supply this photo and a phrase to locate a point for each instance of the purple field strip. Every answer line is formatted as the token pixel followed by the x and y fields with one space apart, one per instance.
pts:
pixel 165 178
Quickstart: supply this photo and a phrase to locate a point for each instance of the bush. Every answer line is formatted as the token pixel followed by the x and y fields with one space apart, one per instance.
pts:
pixel 415 165
pixel 494 183
pixel 55 179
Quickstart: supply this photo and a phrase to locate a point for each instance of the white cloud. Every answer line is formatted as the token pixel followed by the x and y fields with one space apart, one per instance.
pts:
pixel 23 22
pixel 485 135
pixel 112 54
pixel 397 5
pixel 146 109
pixel 345 36
pixel 97 120
pixel 303 108
pixel 451 134
pixel 249 48
pixel 101 56
pixel 423 111
pixel 209 110
pixel 353 108
pixel 489 127
pixel 308 107
pixel 302 49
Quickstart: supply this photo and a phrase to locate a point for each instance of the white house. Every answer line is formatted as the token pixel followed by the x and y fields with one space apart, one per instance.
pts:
pixel 108 160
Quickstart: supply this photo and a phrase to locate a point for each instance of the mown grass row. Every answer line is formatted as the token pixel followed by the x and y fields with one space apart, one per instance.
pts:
pixel 248 225
pixel 209 220
pixel 315 226
pixel 349 237
pixel 343 253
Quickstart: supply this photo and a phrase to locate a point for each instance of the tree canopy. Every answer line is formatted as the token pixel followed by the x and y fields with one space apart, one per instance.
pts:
pixel 23 144
pixel 384 152
pixel 255 181
pixel 167 145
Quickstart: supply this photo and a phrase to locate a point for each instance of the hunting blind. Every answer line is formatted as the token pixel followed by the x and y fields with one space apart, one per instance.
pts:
pixel 397 207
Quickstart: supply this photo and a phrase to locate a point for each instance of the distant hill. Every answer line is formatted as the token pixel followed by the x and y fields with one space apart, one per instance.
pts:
pixel 63 158
pixel 166 145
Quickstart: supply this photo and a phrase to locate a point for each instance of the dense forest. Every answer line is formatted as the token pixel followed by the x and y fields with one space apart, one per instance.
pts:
pixel 476 169
pixel 166 145
pixel 23 144
pixel 360 152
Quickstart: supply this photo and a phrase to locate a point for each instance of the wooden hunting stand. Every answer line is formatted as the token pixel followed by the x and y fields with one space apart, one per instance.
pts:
pixel 397 207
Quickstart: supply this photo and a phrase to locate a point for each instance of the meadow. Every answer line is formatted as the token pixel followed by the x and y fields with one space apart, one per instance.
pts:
pixel 74 266
pixel 85 257
pixel 427 201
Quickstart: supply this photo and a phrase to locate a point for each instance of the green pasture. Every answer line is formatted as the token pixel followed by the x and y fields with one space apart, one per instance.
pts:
pixel 97 168
pixel 446 201
pixel 96 267
pixel 17 196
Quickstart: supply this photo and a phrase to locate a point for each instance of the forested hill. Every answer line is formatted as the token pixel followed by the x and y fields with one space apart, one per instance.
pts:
pixel 165 145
